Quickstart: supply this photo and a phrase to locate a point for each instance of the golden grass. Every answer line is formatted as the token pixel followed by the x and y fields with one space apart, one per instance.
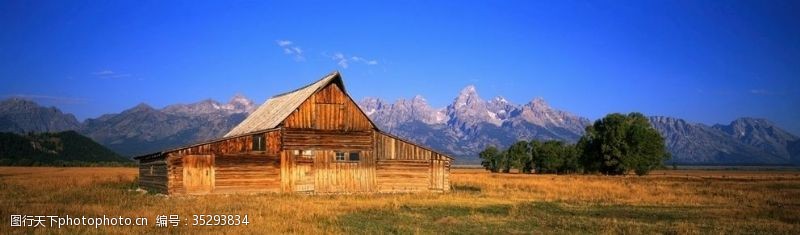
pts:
pixel 680 202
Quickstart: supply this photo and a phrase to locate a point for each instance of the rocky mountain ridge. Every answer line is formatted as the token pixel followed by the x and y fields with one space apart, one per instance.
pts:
pixel 21 116
pixel 694 143
pixel 462 128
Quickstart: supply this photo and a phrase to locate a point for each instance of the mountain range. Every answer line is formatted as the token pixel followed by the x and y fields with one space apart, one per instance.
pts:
pixel 139 130
pixel 462 128
pixel 469 124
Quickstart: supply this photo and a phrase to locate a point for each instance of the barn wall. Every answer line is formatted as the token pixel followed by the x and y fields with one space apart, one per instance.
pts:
pixel 287 178
pixel 153 175
pixel 403 175
pixel 198 174
pixel 236 167
pixel 440 174
pixel 241 144
pixel 297 173
pixel 322 173
pixel 334 176
pixel 175 173
pixel 325 139
pixel 247 173
pixel 402 166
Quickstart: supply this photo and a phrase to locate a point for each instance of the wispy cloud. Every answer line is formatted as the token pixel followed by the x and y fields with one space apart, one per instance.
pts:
pixel 340 59
pixel 344 61
pixel 365 61
pixel 760 92
pixel 49 99
pixel 284 43
pixel 291 49
pixel 108 74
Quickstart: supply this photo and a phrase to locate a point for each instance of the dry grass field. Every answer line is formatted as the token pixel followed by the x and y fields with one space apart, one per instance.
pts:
pixel 675 202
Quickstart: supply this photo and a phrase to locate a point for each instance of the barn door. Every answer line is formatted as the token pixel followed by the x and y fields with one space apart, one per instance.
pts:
pixel 304 171
pixel 198 173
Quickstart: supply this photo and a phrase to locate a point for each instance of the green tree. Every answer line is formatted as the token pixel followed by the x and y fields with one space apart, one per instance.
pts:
pixel 536 154
pixel 520 156
pixel 620 143
pixel 549 157
pixel 490 159
pixel 556 157
pixel 503 162
pixel 570 160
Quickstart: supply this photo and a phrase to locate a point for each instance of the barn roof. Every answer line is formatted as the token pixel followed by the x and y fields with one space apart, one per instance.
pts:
pixel 277 108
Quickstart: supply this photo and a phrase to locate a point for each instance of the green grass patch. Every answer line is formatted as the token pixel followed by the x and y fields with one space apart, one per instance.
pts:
pixel 514 218
pixel 782 186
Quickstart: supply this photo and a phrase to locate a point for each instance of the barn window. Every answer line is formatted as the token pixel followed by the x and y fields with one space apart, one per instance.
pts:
pixel 354 156
pixel 303 154
pixel 259 143
pixel 339 156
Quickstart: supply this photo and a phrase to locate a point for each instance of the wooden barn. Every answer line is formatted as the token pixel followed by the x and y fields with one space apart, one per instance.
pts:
pixel 314 140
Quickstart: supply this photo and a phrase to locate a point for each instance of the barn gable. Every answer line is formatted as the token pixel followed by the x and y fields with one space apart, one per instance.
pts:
pixel 276 109
pixel 329 109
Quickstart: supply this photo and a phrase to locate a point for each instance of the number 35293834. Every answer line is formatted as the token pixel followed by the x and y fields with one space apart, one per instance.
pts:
pixel 219 220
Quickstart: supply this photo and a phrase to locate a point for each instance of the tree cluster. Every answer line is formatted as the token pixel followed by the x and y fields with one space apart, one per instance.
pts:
pixel 621 143
pixel 613 145
pixel 56 149
pixel 532 156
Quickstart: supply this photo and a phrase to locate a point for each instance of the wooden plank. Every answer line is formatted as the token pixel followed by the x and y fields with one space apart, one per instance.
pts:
pixel 318 139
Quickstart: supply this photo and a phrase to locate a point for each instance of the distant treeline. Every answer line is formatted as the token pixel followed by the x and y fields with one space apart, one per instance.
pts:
pixel 613 145
pixel 56 149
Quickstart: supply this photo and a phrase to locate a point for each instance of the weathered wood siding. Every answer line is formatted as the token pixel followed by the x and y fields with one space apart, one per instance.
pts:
pixel 198 174
pixel 249 173
pixel 402 166
pixel 440 175
pixel 153 175
pixel 334 176
pixel 241 144
pixel 322 173
pixel 297 173
pixel 326 139
pixel 236 167
pixel 175 173
pixel 403 175
pixel 328 109
pixel 390 148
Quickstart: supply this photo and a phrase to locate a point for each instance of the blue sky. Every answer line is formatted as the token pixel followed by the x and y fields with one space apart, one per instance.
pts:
pixel 702 60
